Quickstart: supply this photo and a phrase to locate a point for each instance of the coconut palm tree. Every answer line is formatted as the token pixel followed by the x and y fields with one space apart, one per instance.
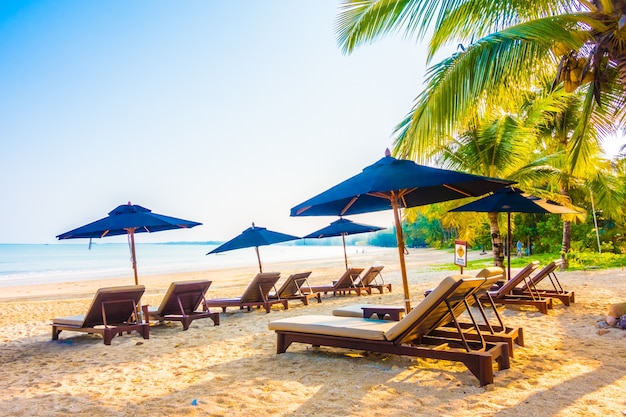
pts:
pixel 510 47
pixel 596 175
pixel 532 147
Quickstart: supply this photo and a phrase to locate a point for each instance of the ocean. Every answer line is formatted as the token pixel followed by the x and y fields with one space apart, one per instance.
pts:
pixel 31 264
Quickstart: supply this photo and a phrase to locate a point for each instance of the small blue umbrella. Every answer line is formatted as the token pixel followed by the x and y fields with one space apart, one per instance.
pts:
pixel 254 237
pixel 128 219
pixel 513 200
pixel 343 227
pixel 392 183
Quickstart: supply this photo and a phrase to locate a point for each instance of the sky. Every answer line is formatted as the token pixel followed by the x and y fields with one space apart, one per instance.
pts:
pixel 220 112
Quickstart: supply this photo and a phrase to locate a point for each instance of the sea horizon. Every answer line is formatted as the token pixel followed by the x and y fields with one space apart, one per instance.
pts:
pixel 44 263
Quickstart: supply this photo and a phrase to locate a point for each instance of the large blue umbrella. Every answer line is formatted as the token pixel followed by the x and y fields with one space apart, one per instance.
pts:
pixel 393 184
pixel 254 236
pixel 128 219
pixel 343 227
pixel 513 200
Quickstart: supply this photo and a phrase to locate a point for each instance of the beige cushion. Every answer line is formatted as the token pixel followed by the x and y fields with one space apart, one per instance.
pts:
pixel 490 272
pixel 334 326
pixel 76 320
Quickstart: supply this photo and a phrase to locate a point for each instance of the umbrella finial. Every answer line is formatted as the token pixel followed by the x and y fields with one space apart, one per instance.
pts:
pixel 253 225
pixel 129 203
pixel 387 152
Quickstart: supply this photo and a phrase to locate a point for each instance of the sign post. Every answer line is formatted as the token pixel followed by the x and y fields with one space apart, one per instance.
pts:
pixel 460 253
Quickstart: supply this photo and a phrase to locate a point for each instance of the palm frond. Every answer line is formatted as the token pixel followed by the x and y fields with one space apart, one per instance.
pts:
pixel 363 21
pixel 474 19
pixel 489 69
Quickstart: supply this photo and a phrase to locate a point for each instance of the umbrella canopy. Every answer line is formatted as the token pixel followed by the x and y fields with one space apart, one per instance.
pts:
pixel 254 237
pixel 513 200
pixel 343 227
pixel 393 184
pixel 128 219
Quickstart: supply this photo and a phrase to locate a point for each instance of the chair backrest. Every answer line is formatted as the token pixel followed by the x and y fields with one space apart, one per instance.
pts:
pixel 544 273
pixel 260 287
pixel 293 283
pixel 119 305
pixel 348 278
pixel 491 271
pixel 189 293
pixel 370 275
pixel 517 279
pixel 432 311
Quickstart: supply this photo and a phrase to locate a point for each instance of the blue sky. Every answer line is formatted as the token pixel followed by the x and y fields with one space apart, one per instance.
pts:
pixel 220 112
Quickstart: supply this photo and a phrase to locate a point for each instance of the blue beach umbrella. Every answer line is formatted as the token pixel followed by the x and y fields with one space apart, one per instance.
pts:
pixel 513 200
pixel 343 227
pixel 394 184
pixel 254 236
pixel 128 219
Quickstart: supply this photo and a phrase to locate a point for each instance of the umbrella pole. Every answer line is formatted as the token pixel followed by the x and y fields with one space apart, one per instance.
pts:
pixel 256 248
pixel 508 243
pixel 131 233
pixel 345 255
pixel 400 239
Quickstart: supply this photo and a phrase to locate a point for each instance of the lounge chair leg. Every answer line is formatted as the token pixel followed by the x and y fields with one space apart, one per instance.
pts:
pixel 55 333
pixel 280 343
pixel 504 360
pixel 216 318
pixel 108 335
pixel 482 369
pixel 145 331
pixel 185 322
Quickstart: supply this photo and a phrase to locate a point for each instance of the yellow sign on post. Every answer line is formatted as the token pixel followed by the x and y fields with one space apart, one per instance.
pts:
pixel 460 253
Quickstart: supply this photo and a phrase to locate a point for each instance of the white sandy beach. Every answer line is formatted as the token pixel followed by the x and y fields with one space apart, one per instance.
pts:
pixel 569 367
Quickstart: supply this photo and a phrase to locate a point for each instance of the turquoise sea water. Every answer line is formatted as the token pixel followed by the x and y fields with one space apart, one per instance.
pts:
pixel 38 263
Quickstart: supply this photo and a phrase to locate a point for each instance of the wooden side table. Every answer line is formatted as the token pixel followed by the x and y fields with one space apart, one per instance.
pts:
pixel 395 313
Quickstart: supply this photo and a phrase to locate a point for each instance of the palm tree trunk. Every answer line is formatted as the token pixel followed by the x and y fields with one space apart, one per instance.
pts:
pixel 496 240
pixel 565 245
pixel 567 233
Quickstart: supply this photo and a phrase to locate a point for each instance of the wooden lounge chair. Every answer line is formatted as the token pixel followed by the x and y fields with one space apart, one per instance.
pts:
pixel 256 295
pixel 296 287
pixel 491 332
pixel 113 311
pixel 181 303
pixel 374 279
pixel 347 283
pixel 556 291
pixel 409 336
pixel 505 295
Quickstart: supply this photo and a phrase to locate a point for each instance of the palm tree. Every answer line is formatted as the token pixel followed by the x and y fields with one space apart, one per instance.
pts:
pixel 596 175
pixel 519 44
pixel 501 145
